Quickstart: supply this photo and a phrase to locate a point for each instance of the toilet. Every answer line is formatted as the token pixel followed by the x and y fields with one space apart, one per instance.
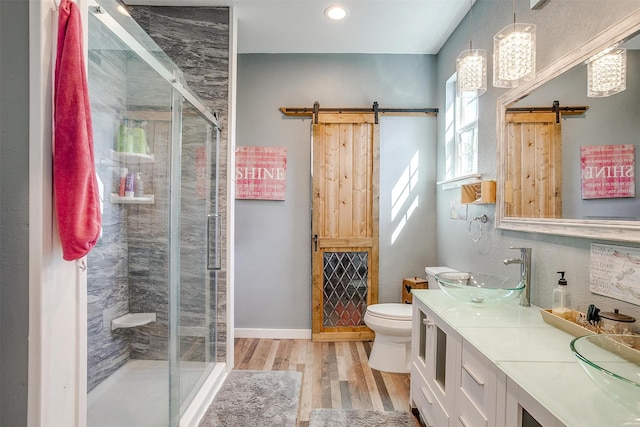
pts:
pixel 391 351
pixel 391 322
pixel 431 275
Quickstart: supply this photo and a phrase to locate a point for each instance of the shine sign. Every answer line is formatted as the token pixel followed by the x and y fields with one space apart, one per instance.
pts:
pixel 607 171
pixel 261 173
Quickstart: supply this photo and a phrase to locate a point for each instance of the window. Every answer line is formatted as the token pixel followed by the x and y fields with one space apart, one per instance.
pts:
pixel 461 132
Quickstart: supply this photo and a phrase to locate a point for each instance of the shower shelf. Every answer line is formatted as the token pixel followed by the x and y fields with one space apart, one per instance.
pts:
pixel 147 199
pixel 130 157
pixel 131 320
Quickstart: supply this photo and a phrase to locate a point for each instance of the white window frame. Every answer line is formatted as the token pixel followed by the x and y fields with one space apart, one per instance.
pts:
pixel 460 162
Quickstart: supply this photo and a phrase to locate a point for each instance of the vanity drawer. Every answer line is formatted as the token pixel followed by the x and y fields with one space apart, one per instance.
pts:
pixel 432 412
pixel 476 388
pixel 468 415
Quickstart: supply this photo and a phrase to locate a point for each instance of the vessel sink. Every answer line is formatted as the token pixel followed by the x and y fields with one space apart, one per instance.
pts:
pixel 479 288
pixel 613 363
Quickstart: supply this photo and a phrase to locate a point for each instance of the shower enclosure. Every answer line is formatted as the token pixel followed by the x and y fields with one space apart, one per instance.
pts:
pixel 152 308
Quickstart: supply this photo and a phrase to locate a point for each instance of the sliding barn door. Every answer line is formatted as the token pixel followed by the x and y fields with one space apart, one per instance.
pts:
pixel 344 225
pixel 533 180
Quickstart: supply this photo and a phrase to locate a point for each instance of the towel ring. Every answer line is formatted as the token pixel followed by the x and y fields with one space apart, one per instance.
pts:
pixel 479 220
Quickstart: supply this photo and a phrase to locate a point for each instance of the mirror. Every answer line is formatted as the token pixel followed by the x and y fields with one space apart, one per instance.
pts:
pixel 568 204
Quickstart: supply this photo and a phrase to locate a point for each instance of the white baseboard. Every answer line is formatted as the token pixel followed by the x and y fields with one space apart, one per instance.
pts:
pixel 287 334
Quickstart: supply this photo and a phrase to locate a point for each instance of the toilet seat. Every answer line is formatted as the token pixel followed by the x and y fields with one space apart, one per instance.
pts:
pixel 391 311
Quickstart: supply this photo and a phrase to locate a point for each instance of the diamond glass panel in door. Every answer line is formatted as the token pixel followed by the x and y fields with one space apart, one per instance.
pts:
pixel 345 277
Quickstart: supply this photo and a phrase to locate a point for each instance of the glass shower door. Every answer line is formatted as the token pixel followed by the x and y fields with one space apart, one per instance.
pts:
pixel 196 294
pixel 128 270
pixel 156 258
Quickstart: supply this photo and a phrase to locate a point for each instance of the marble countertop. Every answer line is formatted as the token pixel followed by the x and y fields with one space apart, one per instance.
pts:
pixel 533 354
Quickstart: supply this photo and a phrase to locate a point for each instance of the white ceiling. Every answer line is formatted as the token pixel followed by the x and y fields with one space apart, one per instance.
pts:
pixel 372 26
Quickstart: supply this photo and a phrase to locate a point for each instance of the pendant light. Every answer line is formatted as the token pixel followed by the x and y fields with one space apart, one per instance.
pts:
pixel 607 73
pixel 471 67
pixel 514 54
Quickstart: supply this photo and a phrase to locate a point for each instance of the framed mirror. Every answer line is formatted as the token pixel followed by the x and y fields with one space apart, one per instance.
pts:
pixel 551 187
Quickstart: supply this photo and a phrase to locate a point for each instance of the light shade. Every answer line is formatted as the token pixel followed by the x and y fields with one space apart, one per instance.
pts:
pixel 607 73
pixel 471 68
pixel 514 55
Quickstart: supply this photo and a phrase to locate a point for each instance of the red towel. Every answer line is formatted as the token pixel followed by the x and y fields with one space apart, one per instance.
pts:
pixel 75 186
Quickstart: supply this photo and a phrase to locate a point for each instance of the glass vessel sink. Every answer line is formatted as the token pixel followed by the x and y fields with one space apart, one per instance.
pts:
pixel 613 363
pixel 479 288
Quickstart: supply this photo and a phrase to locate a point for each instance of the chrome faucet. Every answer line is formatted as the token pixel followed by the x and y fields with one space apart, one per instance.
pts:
pixel 525 273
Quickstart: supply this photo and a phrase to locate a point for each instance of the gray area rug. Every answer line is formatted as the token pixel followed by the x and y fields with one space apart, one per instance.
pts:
pixel 256 398
pixel 360 418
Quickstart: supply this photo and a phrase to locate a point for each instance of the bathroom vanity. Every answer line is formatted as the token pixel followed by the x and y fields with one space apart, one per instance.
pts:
pixel 500 366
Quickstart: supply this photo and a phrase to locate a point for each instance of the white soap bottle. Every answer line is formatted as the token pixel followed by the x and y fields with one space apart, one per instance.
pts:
pixel 560 305
pixel 139 186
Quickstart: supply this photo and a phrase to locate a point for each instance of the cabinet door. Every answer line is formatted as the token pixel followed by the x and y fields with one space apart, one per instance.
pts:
pixel 436 357
pixel 419 338
pixel 522 410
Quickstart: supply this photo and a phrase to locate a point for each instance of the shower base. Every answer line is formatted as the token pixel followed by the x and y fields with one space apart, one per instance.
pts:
pixel 137 394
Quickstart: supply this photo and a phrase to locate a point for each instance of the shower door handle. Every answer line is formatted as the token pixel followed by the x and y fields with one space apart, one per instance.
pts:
pixel 214 260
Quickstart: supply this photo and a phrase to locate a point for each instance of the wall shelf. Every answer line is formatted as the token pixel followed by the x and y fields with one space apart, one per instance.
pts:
pixel 147 199
pixel 129 157
pixel 476 193
pixel 131 320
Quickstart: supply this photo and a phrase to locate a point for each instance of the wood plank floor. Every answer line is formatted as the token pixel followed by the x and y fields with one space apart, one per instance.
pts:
pixel 334 375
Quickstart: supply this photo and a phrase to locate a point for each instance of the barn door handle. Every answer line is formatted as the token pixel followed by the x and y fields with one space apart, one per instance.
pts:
pixel 315 242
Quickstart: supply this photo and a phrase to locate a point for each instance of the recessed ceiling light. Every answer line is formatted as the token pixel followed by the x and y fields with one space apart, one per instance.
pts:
pixel 336 13
pixel 120 8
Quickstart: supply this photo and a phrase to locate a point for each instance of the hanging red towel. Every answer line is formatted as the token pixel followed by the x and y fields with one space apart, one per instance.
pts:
pixel 76 192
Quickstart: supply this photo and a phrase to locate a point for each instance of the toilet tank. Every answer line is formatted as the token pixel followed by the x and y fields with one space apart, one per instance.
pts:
pixel 431 275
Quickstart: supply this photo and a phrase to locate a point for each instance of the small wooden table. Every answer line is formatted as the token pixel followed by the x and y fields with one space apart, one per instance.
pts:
pixel 412 283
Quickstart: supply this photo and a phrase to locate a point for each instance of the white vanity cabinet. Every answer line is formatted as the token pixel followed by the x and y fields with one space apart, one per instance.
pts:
pixel 453 384
pixel 435 358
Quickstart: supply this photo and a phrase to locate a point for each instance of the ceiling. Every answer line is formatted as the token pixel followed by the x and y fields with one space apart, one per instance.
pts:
pixel 372 26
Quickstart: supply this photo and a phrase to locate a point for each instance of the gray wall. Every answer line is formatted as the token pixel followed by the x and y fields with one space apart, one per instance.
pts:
pixel 273 242
pixel 562 24
pixel 14 211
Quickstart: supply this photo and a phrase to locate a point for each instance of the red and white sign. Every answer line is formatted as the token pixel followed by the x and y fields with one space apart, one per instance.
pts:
pixel 608 171
pixel 261 173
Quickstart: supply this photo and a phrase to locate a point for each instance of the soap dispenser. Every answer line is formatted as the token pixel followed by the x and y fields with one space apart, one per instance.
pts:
pixel 560 306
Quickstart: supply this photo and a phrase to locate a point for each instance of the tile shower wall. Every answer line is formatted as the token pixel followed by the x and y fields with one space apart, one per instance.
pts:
pixel 197 40
pixel 148 225
pixel 148 251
